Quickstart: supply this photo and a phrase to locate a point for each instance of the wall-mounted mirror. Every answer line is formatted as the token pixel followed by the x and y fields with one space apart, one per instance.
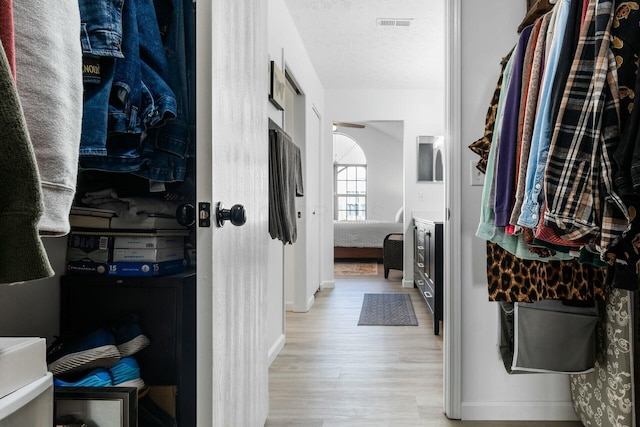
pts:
pixel 438 172
pixel 430 161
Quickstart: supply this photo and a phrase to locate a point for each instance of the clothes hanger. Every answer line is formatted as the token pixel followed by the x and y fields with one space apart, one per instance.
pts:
pixel 539 8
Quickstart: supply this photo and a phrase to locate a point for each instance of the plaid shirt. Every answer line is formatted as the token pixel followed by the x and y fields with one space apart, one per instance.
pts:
pixel 543 128
pixel 578 180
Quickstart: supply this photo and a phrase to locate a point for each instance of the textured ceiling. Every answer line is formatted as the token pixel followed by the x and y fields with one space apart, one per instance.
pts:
pixel 349 51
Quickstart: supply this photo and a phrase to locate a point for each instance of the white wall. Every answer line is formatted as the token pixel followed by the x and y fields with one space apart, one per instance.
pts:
pixel 288 52
pixel 422 113
pixel 488 392
pixel 382 143
pixel 33 308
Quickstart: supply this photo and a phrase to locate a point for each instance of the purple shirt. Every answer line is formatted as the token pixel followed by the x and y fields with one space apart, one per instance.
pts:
pixel 505 176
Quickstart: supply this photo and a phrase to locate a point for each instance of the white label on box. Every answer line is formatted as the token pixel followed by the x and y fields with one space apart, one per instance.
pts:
pixel 148 255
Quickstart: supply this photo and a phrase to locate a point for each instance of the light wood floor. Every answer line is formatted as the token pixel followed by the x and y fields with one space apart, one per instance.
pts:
pixel 333 373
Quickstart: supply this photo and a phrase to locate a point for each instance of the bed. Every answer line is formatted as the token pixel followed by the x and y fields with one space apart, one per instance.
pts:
pixel 362 239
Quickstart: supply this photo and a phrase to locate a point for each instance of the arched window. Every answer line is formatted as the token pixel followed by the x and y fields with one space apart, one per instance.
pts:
pixel 350 179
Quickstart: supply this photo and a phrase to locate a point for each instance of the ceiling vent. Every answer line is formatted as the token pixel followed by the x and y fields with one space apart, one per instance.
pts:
pixel 394 22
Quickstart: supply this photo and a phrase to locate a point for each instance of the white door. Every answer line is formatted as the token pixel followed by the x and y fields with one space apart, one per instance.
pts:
pixel 312 194
pixel 232 167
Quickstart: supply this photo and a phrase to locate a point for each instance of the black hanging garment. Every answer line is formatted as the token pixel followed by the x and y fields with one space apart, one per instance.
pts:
pixel 285 183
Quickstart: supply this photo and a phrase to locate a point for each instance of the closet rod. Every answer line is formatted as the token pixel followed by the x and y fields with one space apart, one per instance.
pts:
pixel 539 8
pixel 275 126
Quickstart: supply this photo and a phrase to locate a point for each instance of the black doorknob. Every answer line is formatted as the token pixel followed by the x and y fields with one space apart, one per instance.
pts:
pixel 236 215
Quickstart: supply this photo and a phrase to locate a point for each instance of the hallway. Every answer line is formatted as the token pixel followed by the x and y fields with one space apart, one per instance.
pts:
pixel 333 373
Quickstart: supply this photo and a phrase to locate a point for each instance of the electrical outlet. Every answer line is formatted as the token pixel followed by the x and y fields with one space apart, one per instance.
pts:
pixel 477 177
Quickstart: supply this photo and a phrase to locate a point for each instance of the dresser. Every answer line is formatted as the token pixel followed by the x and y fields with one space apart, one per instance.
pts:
pixel 428 266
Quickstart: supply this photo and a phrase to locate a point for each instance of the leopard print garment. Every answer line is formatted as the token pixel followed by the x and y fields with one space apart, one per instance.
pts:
pixel 481 146
pixel 512 279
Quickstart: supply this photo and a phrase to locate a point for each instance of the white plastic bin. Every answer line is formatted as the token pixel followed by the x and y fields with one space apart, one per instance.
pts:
pixel 26 388
pixel 31 405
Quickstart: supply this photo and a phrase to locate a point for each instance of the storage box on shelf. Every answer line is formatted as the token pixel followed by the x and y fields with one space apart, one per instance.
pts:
pixel 126 253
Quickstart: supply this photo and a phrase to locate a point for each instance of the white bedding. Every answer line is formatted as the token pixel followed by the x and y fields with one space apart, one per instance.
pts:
pixel 363 234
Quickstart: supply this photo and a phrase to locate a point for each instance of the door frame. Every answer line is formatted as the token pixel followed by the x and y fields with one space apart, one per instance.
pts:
pixel 204 235
pixel 452 226
pixel 298 253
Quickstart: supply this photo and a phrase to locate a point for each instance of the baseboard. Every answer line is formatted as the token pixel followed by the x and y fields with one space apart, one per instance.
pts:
pixel 407 283
pixel 327 284
pixel 518 411
pixel 288 305
pixel 276 348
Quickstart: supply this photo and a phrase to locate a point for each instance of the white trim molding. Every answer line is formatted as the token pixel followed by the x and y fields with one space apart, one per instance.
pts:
pixel 452 230
pixel 518 411
pixel 276 348
pixel 327 284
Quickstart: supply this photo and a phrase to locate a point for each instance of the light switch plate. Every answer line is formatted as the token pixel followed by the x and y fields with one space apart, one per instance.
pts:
pixel 477 177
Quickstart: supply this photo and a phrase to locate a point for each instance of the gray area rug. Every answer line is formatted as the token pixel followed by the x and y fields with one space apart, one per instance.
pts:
pixel 387 310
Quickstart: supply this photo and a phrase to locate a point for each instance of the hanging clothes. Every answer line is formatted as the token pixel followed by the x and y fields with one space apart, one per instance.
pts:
pixel 507 149
pixel 285 184
pixel 566 161
pixel 169 147
pixel 50 90
pixel 513 279
pixel 530 210
pixel 578 138
pixel 482 145
pixel 143 98
pixel 7 33
pixel 22 255
pixel 487 229
pixel 530 106
pixel 623 257
pixel 579 155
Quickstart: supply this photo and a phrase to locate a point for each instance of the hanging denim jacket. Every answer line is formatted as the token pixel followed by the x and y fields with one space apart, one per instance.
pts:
pixel 101 40
pixel 166 149
pixel 140 98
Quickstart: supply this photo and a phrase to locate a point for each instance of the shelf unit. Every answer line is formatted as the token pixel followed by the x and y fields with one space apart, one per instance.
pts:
pixel 166 308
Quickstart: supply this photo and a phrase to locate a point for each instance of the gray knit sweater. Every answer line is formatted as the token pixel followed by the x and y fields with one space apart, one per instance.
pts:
pixel 49 79
pixel 22 256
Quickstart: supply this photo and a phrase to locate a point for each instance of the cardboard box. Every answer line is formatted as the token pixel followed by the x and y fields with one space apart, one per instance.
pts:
pixel 147 255
pixel 165 397
pixel 87 267
pixel 89 242
pixel 89 248
pixel 132 269
pixel 148 242
pixel 145 268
